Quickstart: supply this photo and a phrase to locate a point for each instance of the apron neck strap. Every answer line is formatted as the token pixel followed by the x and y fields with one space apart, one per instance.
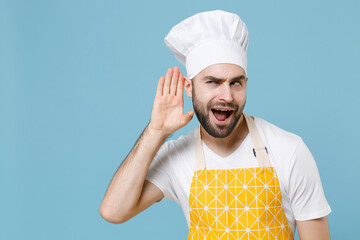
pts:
pixel 259 149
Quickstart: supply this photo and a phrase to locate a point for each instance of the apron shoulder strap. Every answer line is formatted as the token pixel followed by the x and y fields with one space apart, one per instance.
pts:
pixel 200 159
pixel 259 149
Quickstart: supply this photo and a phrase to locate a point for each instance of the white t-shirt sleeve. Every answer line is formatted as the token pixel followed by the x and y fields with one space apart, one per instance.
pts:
pixel 306 193
pixel 159 172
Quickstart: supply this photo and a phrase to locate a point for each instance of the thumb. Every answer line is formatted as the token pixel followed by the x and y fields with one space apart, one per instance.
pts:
pixel 188 116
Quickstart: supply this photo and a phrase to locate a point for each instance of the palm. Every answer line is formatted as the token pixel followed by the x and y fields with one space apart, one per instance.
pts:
pixel 167 114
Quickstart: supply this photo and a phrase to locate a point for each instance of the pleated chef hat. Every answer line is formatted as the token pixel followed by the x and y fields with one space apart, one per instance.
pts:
pixel 208 38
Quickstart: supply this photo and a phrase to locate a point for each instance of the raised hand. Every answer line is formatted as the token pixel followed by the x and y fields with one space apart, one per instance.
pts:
pixel 167 113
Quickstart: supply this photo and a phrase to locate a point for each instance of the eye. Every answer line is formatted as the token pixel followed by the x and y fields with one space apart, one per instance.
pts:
pixel 236 83
pixel 211 82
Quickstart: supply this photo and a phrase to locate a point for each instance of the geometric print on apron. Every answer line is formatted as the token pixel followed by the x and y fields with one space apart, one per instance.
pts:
pixel 233 204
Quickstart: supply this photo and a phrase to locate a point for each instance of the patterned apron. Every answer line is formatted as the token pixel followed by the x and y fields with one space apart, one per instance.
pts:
pixel 234 204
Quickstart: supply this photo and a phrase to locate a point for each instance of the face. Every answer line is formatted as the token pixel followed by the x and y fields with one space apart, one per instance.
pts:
pixel 219 95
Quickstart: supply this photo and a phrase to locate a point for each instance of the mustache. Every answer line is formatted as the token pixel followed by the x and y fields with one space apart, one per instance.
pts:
pixel 222 104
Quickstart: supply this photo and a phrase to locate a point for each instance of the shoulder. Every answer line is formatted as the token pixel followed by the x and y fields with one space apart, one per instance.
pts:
pixel 173 156
pixel 180 147
pixel 277 138
pixel 282 146
pixel 274 131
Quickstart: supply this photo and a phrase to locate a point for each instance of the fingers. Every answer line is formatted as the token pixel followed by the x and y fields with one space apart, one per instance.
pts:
pixel 172 82
pixel 166 89
pixel 179 89
pixel 160 86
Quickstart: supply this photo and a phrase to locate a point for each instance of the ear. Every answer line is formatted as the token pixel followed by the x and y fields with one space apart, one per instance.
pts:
pixel 188 86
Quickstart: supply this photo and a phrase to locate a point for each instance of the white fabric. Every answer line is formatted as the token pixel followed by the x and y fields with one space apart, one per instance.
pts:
pixel 301 190
pixel 259 148
pixel 208 38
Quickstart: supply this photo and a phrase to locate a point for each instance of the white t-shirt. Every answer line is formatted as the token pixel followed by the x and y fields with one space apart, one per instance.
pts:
pixel 302 194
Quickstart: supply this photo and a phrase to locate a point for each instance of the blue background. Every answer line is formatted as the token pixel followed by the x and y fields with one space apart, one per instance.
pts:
pixel 77 83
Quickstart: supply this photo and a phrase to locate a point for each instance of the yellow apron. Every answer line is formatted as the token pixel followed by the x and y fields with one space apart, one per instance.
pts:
pixel 242 203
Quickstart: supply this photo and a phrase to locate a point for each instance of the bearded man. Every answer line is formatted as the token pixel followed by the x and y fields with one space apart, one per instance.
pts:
pixel 235 176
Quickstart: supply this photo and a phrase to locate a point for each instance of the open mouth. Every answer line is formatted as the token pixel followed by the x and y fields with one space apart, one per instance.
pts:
pixel 221 114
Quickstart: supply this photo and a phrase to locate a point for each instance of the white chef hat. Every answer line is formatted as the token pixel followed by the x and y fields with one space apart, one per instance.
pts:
pixel 208 38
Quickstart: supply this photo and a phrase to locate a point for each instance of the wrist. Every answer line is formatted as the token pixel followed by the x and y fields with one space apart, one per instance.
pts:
pixel 157 133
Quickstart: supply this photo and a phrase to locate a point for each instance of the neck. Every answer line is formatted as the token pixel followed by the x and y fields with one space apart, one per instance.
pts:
pixel 225 146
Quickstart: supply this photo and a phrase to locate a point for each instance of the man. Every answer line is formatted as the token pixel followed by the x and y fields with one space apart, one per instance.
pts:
pixel 235 176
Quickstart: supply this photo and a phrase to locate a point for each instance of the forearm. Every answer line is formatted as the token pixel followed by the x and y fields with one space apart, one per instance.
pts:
pixel 126 186
pixel 315 229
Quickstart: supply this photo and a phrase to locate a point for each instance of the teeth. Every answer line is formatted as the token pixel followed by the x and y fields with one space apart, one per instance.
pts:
pixel 223 110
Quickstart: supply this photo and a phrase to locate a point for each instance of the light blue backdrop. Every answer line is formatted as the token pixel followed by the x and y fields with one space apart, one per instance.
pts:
pixel 77 83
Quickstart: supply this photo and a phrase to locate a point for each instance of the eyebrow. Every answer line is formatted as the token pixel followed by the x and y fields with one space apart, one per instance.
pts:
pixel 212 78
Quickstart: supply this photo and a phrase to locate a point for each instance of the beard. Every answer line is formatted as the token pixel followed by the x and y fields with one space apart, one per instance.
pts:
pixel 202 113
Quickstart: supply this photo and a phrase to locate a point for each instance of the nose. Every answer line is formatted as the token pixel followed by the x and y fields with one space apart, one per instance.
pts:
pixel 225 93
